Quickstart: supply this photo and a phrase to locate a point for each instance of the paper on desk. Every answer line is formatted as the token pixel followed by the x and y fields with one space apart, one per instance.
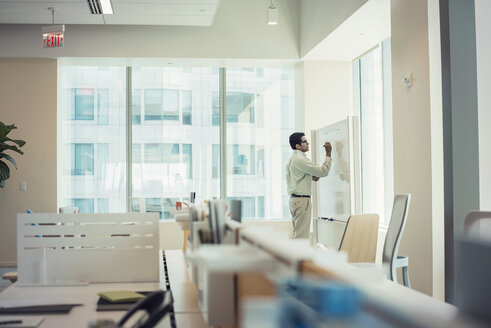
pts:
pixel 27 321
pixel 41 301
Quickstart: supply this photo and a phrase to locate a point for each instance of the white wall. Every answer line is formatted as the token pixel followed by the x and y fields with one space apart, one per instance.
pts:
pixel 328 95
pixel 240 30
pixel 318 18
pixel 413 139
pixel 483 53
pixel 28 99
pixel 438 231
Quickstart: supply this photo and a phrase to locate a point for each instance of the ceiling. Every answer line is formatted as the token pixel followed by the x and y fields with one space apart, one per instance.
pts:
pixel 367 27
pixel 126 12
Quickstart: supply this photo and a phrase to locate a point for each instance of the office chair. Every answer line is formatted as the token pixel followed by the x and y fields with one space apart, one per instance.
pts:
pixel 477 223
pixel 390 259
pixel 473 267
pixel 360 238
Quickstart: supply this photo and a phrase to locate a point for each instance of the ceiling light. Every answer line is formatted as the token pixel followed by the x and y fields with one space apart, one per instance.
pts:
pixel 272 14
pixel 107 8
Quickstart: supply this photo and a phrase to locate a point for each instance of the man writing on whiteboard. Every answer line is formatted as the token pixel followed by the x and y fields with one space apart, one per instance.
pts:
pixel 300 172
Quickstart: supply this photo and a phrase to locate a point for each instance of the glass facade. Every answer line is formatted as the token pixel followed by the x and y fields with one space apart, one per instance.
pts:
pixel 371 76
pixel 175 129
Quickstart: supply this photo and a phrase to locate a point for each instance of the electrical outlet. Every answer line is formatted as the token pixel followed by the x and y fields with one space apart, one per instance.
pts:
pixel 23 186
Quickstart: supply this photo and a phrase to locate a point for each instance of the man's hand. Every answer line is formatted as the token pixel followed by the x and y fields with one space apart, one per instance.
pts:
pixel 328 148
pixel 315 178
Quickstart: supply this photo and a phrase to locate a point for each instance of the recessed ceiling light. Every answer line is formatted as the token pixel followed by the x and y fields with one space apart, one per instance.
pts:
pixel 107 8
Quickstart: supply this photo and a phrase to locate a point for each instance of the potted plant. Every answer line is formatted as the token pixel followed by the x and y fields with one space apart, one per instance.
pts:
pixel 7 144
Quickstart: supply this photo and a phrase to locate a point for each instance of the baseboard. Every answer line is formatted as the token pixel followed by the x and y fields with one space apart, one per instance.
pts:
pixel 8 264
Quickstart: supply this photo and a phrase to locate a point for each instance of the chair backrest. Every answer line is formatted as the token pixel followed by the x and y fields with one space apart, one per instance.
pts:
pixel 477 224
pixel 69 209
pixel 473 267
pixel 394 232
pixel 360 238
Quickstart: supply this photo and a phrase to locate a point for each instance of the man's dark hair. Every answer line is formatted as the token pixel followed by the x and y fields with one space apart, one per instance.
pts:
pixel 296 139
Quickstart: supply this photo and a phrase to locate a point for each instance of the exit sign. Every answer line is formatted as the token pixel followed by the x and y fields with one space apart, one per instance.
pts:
pixel 53 36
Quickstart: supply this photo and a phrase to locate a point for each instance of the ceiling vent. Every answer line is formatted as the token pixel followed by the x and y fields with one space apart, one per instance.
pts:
pixel 99 7
pixel 95 7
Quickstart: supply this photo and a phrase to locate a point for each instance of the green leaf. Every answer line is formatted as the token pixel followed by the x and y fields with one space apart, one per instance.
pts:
pixel 20 143
pixel 4 171
pixel 5 129
pixel 4 147
pixel 8 157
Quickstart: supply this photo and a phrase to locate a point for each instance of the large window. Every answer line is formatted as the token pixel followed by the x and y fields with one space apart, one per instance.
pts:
pixel 175 124
pixel 371 76
pixel 260 117
pixel 93 131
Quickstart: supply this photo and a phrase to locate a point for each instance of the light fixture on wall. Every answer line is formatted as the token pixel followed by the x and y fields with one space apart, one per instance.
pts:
pixel 272 14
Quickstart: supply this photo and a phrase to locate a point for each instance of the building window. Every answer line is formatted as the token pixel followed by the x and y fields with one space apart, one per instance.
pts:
pixel 171 105
pixel 136 115
pixel 102 205
pixel 102 160
pixel 187 159
pixel 83 109
pixel 242 158
pixel 85 205
pixel 187 107
pixel 153 105
pixel 240 107
pixel 102 106
pixel 215 163
pixel 83 159
pixel 162 153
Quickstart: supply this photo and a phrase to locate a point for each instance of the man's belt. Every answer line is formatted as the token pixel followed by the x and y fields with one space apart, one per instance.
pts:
pixel 306 196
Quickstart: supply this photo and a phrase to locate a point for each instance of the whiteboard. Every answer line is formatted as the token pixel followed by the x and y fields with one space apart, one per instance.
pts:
pixel 334 195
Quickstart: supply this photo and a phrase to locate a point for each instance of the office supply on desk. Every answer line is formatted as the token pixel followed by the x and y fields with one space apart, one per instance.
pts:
pixel 120 296
pixel 39 309
pixel 105 305
pixel 20 322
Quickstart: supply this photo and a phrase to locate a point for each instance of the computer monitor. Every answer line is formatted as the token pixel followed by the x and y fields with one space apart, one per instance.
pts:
pixel 193 217
pixel 212 220
pixel 236 210
pixel 217 219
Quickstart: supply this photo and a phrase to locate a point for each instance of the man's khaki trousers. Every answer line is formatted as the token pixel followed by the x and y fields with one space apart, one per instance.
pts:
pixel 301 209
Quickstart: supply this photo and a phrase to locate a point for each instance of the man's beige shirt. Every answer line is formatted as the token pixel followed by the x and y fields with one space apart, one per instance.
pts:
pixel 299 172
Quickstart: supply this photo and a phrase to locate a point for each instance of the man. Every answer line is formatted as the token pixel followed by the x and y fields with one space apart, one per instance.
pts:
pixel 300 171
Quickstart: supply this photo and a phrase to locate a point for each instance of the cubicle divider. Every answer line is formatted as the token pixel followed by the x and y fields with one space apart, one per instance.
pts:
pixel 71 249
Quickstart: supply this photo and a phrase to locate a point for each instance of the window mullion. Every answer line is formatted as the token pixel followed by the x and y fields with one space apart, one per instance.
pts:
pixel 129 139
pixel 223 133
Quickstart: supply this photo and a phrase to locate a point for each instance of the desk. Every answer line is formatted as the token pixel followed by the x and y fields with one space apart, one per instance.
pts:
pixel 186 307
